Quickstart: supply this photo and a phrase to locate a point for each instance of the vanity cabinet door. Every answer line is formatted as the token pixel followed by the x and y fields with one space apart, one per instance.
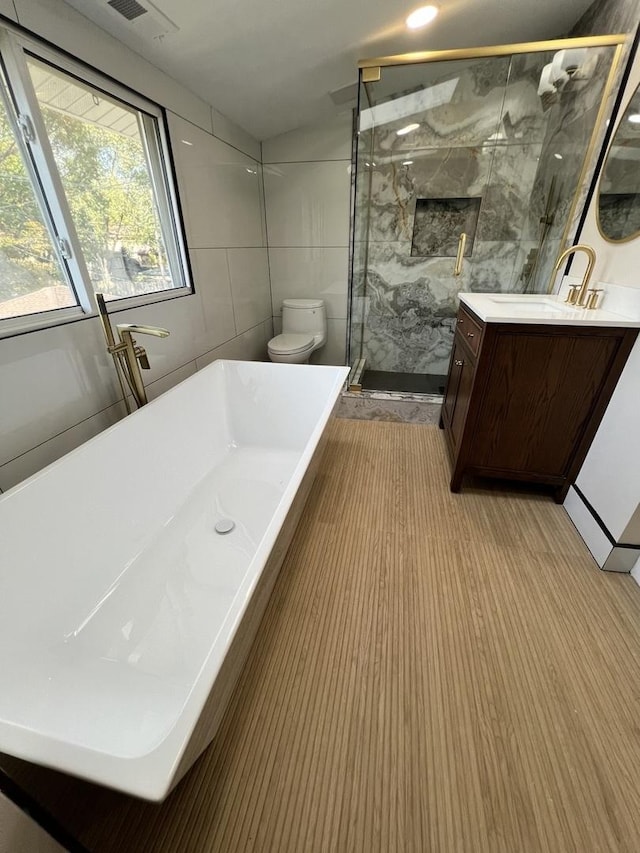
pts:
pixel 543 389
pixel 469 329
pixel 458 392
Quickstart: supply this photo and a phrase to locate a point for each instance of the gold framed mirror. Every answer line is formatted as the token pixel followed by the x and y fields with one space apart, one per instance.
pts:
pixel 619 186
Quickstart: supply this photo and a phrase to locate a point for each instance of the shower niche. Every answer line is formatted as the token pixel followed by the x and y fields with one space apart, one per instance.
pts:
pixel 438 224
pixel 478 146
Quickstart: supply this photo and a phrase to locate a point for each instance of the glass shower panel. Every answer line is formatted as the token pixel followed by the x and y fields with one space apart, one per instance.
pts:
pixel 360 235
pixel 572 114
pixel 505 243
pixel 428 172
pixel 474 146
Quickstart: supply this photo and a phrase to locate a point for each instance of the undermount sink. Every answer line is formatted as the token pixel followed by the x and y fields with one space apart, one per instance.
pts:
pixel 532 304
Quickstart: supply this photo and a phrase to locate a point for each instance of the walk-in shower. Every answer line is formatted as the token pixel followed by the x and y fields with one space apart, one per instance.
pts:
pixel 467 168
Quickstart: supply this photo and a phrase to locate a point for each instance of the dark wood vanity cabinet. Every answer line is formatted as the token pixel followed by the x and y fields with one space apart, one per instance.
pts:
pixel 523 401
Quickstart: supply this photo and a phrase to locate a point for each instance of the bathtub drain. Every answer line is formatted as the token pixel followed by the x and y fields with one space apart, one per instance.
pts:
pixel 225 525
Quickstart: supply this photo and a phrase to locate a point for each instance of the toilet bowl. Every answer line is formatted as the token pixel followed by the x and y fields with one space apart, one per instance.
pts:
pixel 304 330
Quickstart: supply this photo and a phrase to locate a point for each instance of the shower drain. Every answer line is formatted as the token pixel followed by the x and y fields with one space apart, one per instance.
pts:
pixel 225 525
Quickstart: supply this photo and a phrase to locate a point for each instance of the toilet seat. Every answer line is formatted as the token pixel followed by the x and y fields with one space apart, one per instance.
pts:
pixel 291 344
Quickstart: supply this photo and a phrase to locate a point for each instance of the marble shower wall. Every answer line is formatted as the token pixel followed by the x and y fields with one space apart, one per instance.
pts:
pixel 483 141
pixel 607 16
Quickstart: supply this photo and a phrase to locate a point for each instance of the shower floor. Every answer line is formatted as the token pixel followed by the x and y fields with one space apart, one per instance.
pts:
pixel 408 383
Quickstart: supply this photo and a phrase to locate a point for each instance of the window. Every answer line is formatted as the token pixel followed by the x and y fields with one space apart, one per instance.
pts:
pixel 32 277
pixel 86 202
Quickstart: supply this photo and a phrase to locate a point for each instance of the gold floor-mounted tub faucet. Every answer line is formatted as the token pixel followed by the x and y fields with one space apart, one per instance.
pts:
pixel 128 356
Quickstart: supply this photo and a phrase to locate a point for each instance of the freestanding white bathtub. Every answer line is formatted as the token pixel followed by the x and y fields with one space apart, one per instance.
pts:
pixel 125 618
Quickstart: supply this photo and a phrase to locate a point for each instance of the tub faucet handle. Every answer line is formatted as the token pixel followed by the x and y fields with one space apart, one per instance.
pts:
pixel 135 356
pixel 143 358
pixel 134 328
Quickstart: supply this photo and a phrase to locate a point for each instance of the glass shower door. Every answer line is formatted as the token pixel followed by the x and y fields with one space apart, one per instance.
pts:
pixel 423 173
pixel 471 147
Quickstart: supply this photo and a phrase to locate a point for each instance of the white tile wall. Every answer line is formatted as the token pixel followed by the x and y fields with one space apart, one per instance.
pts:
pixel 219 189
pixel 229 132
pixel 333 351
pixel 308 203
pixel 165 383
pixel 38 457
pixel 249 274
pixel 252 345
pixel 307 183
pixel 58 387
pixel 7 9
pixel 213 285
pixel 331 141
pixel 311 272
pixel 51 380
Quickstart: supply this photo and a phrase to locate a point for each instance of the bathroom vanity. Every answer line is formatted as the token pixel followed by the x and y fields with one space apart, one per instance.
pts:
pixel 529 381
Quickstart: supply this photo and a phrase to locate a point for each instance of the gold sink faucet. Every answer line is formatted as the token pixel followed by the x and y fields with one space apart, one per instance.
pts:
pixel 127 355
pixel 578 293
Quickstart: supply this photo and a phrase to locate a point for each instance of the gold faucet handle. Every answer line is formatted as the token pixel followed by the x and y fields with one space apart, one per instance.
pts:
pixel 594 296
pixel 572 294
pixel 143 358
pixel 136 328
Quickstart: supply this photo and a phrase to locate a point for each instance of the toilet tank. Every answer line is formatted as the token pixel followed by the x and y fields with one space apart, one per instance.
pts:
pixel 305 316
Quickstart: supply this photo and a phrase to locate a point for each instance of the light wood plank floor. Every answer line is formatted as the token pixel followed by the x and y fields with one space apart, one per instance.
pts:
pixel 435 672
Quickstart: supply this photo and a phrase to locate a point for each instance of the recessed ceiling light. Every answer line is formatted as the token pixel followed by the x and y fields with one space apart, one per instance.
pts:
pixel 421 17
pixel 635 118
pixel 558 156
pixel 407 129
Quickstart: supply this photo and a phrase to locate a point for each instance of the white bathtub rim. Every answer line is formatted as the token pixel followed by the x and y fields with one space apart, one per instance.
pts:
pixel 143 412
pixel 150 775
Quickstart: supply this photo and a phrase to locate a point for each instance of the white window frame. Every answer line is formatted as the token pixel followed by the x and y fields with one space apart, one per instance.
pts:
pixel 47 185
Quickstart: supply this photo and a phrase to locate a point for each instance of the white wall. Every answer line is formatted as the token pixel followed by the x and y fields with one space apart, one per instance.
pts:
pixel 58 386
pixel 307 184
pixel 610 476
pixel 20 834
pixel 615 263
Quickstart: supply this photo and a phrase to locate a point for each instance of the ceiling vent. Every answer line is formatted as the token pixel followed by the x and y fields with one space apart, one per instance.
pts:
pixel 142 16
pixel 129 9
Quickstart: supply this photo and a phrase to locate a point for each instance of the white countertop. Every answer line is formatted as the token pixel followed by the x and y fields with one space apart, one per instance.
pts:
pixel 539 308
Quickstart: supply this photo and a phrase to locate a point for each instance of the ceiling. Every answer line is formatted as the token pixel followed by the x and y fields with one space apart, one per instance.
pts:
pixel 270 66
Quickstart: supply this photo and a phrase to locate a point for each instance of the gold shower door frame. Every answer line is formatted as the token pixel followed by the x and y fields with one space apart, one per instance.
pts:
pixel 370 71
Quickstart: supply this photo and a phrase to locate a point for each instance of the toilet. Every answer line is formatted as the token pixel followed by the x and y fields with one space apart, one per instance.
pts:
pixel 304 330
